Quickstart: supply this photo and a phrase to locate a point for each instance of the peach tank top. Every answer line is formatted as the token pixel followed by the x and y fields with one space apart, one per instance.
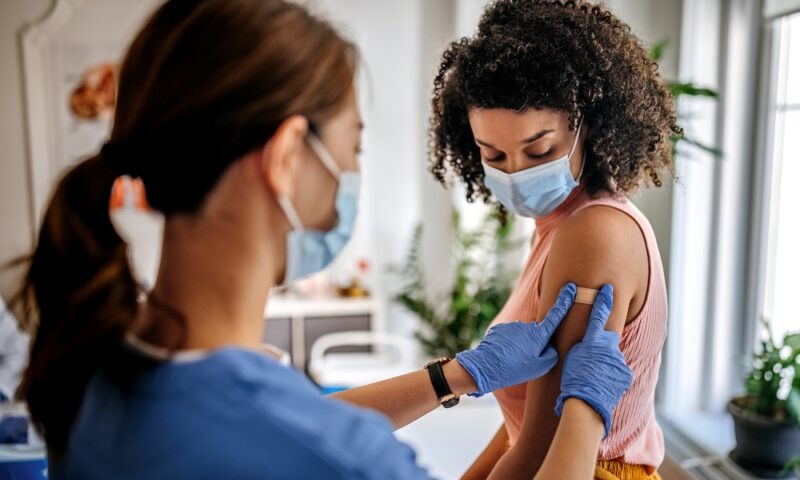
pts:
pixel 635 436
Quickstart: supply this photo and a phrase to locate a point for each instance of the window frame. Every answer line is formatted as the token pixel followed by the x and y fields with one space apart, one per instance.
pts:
pixel 735 36
pixel 770 207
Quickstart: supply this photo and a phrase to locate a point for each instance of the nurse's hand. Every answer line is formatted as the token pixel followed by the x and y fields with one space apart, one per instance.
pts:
pixel 595 370
pixel 514 353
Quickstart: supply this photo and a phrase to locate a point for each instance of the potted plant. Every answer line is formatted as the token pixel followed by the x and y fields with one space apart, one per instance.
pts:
pixel 767 419
pixel 455 319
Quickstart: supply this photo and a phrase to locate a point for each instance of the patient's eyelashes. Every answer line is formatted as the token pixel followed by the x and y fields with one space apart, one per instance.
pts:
pixel 539 156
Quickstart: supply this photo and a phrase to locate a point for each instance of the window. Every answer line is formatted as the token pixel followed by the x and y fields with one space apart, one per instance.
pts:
pixel 783 242
pixel 736 218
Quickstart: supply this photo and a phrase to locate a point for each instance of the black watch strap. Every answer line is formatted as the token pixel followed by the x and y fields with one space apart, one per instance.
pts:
pixel 443 392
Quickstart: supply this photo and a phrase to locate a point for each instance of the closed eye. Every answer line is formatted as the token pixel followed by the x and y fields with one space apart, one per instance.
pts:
pixel 497 158
pixel 540 156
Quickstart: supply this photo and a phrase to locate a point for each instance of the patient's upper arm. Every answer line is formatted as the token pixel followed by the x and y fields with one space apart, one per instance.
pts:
pixel 596 246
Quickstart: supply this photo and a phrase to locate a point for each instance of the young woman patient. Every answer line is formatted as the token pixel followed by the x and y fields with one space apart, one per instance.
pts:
pixel 555 110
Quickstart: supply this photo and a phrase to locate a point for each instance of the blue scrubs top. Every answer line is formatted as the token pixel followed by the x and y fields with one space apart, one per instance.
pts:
pixel 232 414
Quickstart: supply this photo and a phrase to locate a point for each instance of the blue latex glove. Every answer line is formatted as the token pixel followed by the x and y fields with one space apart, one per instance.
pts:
pixel 514 353
pixel 595 370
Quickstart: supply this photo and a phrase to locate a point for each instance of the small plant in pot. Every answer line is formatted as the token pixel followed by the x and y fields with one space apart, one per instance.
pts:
pixel 767 419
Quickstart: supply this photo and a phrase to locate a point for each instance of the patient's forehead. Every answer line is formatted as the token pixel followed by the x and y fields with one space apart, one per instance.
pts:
pixel 509 126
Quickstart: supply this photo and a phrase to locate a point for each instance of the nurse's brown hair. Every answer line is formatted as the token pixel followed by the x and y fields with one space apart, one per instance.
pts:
pixel 203 83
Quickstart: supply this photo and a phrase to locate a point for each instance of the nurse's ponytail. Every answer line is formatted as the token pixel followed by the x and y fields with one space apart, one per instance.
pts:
pixel 81 294
pixel 204 83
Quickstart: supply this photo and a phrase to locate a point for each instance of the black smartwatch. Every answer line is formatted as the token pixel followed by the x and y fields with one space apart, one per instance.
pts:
pixel 446 396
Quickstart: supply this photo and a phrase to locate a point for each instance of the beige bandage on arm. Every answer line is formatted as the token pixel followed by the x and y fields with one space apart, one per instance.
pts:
pixel 585 295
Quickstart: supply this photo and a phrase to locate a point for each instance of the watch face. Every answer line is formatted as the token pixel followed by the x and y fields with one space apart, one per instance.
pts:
pixel 441 360
pixel 451 403
pixel 449 400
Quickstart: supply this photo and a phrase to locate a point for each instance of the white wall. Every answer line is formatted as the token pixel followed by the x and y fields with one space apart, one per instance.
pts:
pixel 655 20
pixel 15 211
pixel 400 43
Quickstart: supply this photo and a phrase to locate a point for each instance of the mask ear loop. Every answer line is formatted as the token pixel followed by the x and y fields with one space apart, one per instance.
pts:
pixel 583 165
pixel 319 149
pixel 291 213
pixel 572 150
pixel 325 157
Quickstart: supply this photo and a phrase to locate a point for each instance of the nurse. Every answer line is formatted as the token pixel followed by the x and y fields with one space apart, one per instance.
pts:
pixel 240 117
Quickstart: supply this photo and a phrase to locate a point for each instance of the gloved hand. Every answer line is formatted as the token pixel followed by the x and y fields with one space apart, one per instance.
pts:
pixel 595 370
pixel 514 353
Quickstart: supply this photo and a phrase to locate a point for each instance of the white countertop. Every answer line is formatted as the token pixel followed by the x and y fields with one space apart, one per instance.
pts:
pixel 289 306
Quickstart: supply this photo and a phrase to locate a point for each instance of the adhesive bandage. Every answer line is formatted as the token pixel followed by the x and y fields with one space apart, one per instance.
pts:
pixel 585 295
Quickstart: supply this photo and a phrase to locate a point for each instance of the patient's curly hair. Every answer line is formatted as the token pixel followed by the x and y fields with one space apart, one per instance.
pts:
pixel 570 56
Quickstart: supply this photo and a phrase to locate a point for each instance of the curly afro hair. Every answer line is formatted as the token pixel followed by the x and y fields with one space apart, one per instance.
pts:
pixel 571 56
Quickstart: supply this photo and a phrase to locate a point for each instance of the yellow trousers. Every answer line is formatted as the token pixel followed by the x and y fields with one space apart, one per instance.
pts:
pixel 614 470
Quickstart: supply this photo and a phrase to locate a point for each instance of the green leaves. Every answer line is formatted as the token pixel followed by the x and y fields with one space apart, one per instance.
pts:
pixel 657 49
pixel 793 342
pixel 794 464
pixel 793 404
pixel 453 320
pixel 683 88
pixel 712 150
pixel 688 89
pixel 773 381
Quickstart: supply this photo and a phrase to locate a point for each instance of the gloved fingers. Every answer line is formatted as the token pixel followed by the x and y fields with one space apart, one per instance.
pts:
pixel 548 358
pixel 627 376
pixel 601 310
pixel 553 319
pixel 611 337
pixel 627 373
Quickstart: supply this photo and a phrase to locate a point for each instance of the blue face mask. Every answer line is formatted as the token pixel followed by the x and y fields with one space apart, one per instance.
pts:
pixel 536 191
pixel 311 251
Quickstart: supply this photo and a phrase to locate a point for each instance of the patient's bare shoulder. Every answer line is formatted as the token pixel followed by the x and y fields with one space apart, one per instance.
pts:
pixel 600 245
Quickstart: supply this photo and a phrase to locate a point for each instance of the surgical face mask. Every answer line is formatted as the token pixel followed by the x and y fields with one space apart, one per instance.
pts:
pixel 536 191
pixel 310 251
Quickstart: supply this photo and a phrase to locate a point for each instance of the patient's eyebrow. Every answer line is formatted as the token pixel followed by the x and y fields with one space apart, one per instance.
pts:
pixel 529 140
pixel 536 136
pixel 485 144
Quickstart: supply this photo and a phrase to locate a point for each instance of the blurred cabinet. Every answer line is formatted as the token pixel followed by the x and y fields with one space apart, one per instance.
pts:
pixel 294 324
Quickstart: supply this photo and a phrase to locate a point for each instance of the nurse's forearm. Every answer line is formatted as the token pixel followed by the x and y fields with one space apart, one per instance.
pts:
pixel 408 397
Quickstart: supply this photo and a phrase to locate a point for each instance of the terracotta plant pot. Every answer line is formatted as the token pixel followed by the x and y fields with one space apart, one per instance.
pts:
pixel 763 445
